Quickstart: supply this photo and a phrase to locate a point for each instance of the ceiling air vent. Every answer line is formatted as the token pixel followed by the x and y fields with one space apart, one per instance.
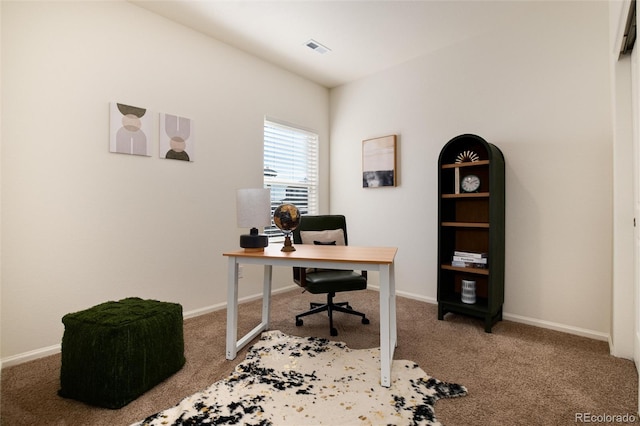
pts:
pixel 314 45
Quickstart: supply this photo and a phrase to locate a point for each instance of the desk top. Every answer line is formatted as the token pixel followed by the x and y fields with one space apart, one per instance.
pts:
pixel 353 254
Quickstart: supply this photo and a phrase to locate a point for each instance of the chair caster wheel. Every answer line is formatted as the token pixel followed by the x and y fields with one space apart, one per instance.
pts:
pixel 334 332
pixel 365 320
pixel 299 322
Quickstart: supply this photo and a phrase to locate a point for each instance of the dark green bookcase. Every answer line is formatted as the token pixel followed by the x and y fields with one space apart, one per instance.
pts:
pixel 471 222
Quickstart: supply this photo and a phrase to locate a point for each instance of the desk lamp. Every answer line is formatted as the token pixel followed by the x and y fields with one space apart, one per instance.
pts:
pixel 253 208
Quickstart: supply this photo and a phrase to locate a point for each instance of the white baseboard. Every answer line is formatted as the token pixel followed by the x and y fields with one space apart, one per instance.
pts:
pixel 30 356
pixel 597 335
pixel 615 352
pixel 54 349
pixel 592 334
pixel 223 305
pixel 418 297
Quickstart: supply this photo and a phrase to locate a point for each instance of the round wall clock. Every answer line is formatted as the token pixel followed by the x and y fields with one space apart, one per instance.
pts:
pixel 467 156
pixel 470 183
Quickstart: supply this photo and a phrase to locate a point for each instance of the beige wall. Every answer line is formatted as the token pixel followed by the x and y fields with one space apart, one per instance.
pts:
pixel 80 225
pixel 539 89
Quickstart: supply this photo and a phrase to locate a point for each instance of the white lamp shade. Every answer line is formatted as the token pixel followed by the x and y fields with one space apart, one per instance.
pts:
pixel 253 207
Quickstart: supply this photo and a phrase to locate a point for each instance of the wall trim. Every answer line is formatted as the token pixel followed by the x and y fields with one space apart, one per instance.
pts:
pixel 592 334
pixel 223 305
pixel 54 349
pixel 30 356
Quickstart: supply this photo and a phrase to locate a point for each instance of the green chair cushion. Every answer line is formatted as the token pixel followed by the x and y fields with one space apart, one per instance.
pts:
pixel 326 281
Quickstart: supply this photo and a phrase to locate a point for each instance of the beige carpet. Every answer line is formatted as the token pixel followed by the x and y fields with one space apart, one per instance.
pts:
pixel 517 375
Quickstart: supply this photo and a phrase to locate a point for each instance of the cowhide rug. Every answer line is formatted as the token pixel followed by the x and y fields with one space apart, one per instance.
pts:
pixel 297 381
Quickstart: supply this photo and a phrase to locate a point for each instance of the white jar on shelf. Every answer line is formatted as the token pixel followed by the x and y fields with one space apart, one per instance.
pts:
pixel 468 292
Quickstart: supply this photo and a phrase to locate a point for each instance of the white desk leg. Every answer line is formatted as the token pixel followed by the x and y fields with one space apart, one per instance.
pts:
pixel 386 353
pixel 392 309
pixel 266 296
pixel 232 308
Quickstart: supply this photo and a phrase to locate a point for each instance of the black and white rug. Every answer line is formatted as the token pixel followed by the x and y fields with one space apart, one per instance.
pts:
pixel 287 380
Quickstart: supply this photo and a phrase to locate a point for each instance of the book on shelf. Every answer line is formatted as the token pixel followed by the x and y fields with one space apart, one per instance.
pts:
pixel 461 264
pixel 473 254
pixel 470 259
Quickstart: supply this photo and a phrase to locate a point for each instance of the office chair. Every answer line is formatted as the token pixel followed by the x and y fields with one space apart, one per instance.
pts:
pixel 331 230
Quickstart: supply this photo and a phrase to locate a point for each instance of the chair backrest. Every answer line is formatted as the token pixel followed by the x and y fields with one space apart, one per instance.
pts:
pixel 316 223
pixel 320 223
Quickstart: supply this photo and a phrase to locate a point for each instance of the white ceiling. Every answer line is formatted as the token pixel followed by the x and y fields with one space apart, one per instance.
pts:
pixel 364 37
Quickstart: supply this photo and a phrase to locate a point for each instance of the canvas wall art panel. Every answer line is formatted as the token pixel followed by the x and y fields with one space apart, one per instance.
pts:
pixel 177 141
pixel 379 162
pixel 130 130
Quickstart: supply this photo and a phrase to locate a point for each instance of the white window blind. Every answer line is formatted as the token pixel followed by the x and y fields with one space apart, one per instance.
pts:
pixel 290 169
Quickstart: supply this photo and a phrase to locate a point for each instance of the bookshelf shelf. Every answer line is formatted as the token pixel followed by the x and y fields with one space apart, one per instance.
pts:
pixel 465 270
pixel 470 195
pixel 471 222
pixel 466 224
pixel 466 164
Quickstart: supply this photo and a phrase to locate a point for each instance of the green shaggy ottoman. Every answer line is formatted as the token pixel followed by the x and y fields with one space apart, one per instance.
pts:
pixel 114 352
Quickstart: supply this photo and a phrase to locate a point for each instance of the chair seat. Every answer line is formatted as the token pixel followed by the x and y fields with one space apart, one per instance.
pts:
pixel 334 281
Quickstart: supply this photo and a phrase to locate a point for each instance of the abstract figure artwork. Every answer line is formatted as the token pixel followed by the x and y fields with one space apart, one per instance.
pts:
pixel 176 138
pixel 379 162
pixel 130 129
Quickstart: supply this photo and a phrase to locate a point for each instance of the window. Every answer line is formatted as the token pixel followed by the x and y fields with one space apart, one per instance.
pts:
pixel 290 169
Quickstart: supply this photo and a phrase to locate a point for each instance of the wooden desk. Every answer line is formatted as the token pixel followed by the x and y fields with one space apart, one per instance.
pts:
pixel 379 259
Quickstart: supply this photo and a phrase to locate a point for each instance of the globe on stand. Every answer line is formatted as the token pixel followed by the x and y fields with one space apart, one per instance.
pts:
pixel 287 218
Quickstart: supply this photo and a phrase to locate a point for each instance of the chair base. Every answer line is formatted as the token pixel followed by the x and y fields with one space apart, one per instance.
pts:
pixel 330 307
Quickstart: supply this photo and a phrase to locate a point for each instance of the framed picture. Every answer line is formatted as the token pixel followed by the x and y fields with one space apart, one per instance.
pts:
pixel 177 141
pixel 379 162
pixel 130 130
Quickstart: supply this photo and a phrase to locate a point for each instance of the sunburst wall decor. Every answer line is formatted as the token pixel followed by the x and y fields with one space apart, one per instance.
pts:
pixel 467 156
